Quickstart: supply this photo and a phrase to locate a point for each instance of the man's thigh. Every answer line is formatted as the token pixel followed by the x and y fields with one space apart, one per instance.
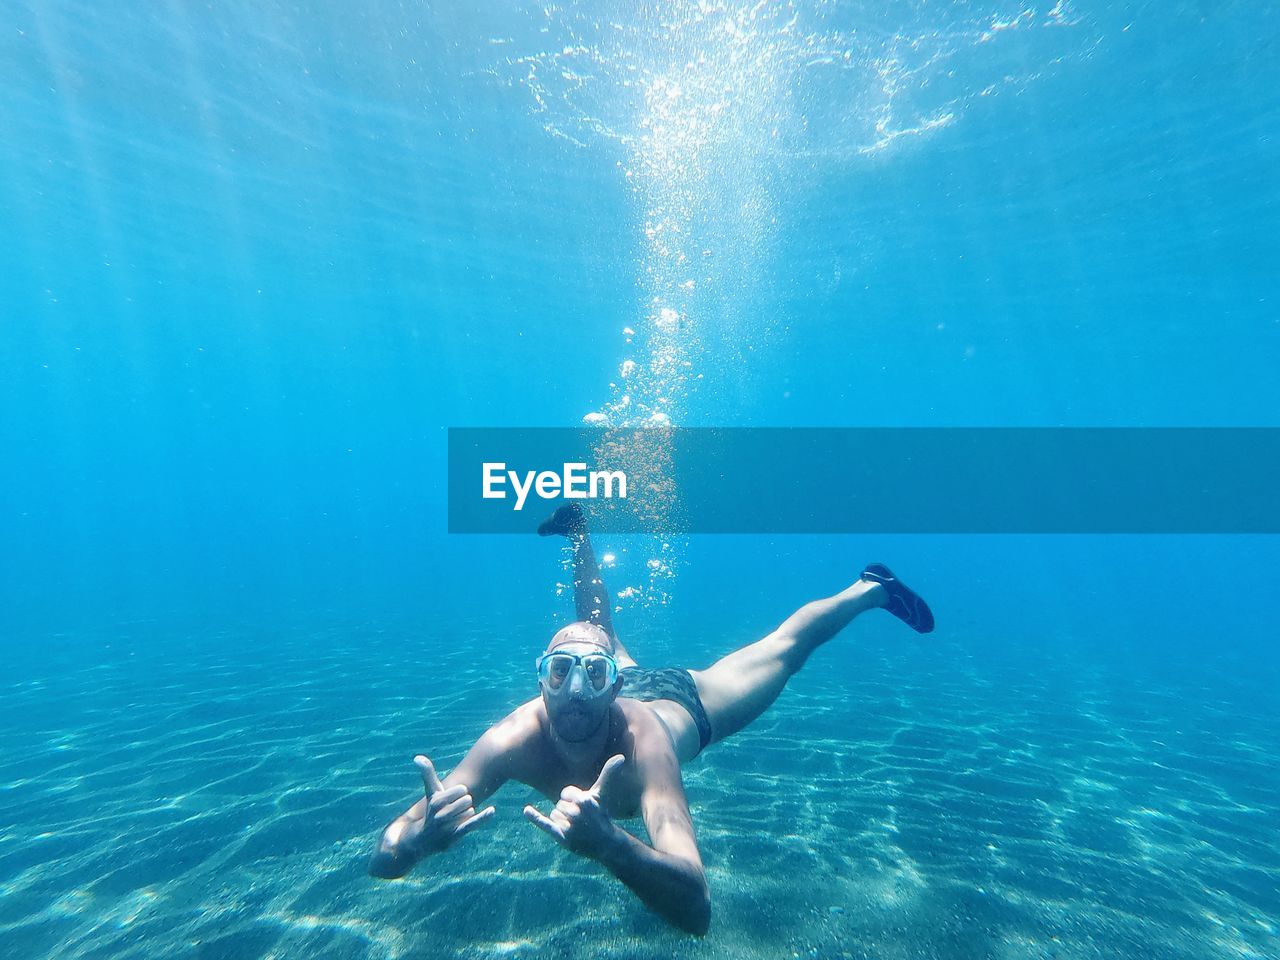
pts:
pixel 738 687
pixel 680 725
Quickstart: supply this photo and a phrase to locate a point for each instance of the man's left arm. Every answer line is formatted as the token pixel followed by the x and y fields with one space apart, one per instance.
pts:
pixel 668 877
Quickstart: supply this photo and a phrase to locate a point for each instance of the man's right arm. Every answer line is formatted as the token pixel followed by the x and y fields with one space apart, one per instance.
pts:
pixel 447 810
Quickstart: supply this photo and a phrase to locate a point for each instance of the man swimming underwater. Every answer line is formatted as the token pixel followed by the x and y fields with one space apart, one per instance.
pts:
pixel 624 731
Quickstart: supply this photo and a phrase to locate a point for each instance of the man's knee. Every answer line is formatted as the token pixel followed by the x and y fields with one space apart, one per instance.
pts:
pixel 785 647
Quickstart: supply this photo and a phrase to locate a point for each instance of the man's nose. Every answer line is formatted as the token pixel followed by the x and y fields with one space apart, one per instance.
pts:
pixel 577 679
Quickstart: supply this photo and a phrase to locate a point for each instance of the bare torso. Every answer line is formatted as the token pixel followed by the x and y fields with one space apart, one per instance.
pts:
pixel 534 760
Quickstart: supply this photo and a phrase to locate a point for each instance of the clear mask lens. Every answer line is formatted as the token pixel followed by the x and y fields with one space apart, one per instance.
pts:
pixel 599 670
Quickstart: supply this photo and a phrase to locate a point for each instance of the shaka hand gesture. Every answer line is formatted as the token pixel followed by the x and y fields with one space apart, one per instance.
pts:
pixel 579 822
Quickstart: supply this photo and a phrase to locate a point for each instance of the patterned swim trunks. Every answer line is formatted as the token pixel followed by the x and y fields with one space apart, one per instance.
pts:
pixel 668 683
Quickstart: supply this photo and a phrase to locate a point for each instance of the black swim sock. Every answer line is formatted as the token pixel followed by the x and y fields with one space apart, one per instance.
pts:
pixel 565 522
pixel 904 603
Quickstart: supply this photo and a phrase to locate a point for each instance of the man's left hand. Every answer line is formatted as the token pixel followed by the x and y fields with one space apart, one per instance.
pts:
pixel 579 821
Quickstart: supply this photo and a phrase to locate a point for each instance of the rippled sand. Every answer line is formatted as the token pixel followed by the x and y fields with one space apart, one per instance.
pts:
pixel 208 796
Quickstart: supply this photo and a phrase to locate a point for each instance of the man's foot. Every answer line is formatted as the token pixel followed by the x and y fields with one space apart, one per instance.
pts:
pixel 903 602
pixel 568 521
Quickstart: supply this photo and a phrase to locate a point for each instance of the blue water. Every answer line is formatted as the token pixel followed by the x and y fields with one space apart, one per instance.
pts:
pixel 256 259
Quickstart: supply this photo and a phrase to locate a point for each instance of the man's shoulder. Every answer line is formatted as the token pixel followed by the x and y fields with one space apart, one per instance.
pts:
pixel 518 744
pixel 644 727
pixel 518 728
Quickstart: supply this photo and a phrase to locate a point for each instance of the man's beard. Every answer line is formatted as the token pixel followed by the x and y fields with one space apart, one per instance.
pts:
pixel 575 716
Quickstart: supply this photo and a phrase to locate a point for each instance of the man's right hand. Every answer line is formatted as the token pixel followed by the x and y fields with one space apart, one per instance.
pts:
pixel 450 813
pixel 447 814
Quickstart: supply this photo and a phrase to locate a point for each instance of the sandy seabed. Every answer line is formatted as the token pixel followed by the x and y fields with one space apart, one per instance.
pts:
pixel 216 796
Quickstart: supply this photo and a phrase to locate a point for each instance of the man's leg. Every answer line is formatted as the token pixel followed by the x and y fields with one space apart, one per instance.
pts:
pixel 739 687
pixel 590 598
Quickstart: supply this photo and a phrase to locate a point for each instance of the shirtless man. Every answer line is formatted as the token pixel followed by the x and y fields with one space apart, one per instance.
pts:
pixel 605 739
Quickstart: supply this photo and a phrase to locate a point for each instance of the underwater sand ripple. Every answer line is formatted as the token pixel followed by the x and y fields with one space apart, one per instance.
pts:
pixel 217 796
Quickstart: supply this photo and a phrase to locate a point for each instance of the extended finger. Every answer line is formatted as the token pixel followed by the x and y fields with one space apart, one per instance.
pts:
pixel 445 797
pixel 461 805
pixel 607 771
pixel 543 823
pixel 484 816
pixel 560 820
pixel 429 779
